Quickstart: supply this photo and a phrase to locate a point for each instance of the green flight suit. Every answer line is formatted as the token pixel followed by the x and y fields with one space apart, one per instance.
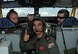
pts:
pixel 41 45
pixel 44 42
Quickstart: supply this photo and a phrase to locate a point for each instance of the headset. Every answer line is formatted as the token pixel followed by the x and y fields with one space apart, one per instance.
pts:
pixel 11 11
pixel 66 12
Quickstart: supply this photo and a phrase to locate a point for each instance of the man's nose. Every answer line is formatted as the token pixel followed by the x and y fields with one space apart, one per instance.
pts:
pixel 36 27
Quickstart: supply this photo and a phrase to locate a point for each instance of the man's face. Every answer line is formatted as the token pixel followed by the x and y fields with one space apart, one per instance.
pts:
pixel 38 27
pixel 60 17
pixel 14 18
pixel 30 18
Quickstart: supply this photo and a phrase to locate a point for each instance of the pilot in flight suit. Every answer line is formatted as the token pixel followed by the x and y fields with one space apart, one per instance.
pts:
pixel 41 42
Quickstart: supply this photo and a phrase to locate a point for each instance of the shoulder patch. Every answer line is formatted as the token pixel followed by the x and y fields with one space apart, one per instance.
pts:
pixel 47 38
pixel 41 48
pixel 51 45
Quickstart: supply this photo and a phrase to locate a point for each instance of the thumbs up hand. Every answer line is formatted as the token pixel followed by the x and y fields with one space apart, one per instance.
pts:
pixel 26 36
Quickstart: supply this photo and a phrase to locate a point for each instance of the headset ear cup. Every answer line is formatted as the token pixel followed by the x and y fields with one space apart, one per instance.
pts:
pixel 66 13
pixel 44 25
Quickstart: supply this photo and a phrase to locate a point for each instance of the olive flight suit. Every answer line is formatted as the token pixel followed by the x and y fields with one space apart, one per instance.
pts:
pixel 44 45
